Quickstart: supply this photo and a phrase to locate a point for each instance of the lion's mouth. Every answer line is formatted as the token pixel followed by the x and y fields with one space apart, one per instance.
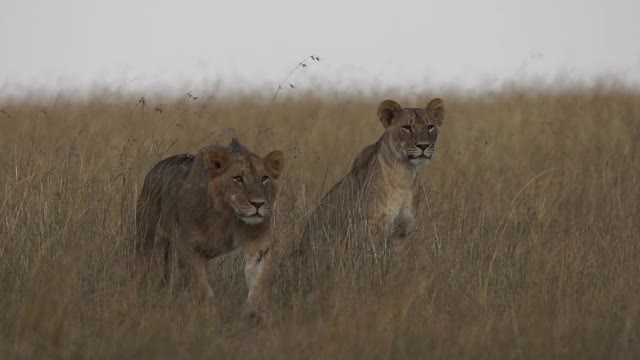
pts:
pixel 419 157
pixel 254 218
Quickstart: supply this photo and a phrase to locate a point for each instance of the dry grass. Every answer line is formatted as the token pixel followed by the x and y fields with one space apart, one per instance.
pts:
pixel 528 243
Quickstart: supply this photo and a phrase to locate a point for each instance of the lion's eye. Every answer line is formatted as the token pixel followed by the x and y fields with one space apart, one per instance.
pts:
pixel 407 128
pixel 430 128
pixel 238 179
pixel 265 179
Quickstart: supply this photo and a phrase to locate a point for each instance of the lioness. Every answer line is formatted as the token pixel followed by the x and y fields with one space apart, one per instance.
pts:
pixel 197 207
pixel 379 194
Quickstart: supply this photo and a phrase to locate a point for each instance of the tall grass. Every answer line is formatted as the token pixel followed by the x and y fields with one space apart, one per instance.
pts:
pixel 527 243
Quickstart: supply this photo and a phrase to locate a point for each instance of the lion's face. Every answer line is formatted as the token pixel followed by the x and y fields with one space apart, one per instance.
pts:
pixel 412 132
pixel 246 182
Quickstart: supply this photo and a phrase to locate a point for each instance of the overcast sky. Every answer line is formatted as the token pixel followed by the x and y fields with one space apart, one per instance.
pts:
pixel 152 44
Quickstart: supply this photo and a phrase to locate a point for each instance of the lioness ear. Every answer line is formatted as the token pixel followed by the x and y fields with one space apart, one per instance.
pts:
pixel 216 161
pixel 387 110
pixel 435 109
pixel 274 162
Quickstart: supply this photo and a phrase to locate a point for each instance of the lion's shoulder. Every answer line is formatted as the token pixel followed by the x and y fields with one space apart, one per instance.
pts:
pixel 173 165
pixel 364 159
pixel 168 170
pixel 372 172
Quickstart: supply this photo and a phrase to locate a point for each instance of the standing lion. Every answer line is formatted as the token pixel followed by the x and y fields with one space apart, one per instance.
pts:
pixel 196 207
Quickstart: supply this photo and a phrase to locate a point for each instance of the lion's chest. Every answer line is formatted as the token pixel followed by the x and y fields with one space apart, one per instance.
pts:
pixel 395 204
pixel 216 243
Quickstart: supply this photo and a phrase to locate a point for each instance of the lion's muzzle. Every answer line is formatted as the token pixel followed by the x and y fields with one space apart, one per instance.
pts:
pixel 255 212
pixel 421 151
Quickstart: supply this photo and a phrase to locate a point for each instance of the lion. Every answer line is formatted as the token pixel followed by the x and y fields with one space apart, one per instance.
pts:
pixel 380 193
pixel 197 207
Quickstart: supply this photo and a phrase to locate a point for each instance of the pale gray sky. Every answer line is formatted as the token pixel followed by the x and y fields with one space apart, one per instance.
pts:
pixel 176 45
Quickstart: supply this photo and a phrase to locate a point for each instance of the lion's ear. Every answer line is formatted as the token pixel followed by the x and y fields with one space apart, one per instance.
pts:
pixel 435 109
pixel 216 161
pixel 274 162
pixel 387 110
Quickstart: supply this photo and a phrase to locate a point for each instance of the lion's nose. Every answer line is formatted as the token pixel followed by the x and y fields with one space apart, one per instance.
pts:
pixel 257 203
pixel 423 146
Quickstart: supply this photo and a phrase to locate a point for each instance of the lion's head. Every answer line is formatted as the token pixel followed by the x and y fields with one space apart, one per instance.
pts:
pixel 412 132
pixel 246 182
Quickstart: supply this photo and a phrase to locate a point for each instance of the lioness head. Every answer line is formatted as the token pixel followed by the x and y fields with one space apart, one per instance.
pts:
pixel 412 132
pixel 244 181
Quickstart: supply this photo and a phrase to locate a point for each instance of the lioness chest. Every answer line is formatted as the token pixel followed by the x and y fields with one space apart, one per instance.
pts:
pixel 396 205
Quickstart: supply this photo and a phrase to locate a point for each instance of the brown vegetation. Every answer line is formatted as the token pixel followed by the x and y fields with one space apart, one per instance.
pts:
pixel 527 243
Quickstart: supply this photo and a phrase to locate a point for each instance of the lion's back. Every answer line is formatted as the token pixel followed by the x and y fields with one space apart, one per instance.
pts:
pixel 344 204
pixel 161 185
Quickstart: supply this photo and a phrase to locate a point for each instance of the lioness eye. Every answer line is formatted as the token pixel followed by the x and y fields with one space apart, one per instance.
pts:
pixel 265 179
pixel 407 128
pixel 430 128
pixel 238 179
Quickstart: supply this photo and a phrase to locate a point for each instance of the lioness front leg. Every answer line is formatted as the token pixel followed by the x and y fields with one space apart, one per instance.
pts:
pixel 257 260
pixel 406 224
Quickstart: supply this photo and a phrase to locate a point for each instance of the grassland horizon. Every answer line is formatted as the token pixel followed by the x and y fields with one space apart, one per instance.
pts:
pixel 527 243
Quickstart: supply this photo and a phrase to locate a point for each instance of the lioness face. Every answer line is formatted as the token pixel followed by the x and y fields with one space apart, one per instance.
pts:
pixel 413 132
pixel 245 181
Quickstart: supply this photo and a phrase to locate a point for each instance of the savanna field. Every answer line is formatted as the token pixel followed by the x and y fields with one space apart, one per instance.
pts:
pixel 527 247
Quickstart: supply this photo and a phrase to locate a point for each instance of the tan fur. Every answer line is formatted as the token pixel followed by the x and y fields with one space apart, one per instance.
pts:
pixel 197 207
pixel 380 190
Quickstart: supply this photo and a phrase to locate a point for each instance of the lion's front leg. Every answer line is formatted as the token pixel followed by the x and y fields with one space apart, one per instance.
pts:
pixel 405 223
pixel 193 279
pixel 257 263
pixel 377 240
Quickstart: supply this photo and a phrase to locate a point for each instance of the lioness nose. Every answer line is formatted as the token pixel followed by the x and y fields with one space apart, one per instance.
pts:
pixel 423 146
pixel 257 203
